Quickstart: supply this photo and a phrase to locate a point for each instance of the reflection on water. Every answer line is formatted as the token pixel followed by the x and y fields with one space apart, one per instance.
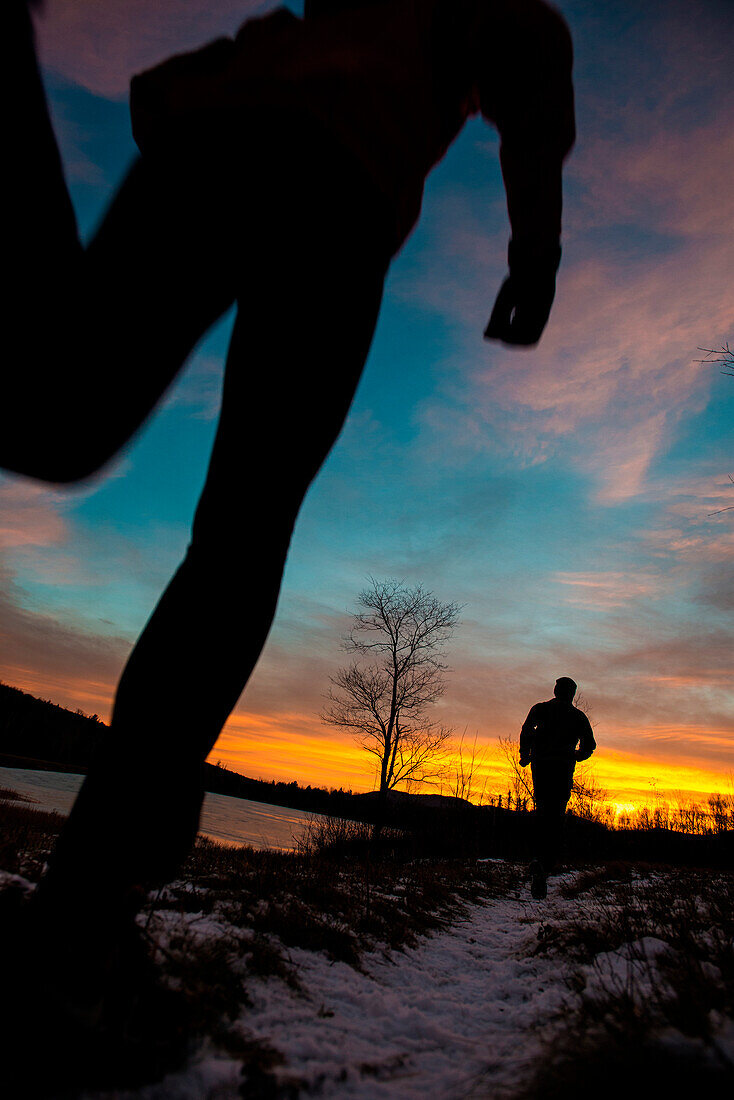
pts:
pixel 239 821
pixel 232 820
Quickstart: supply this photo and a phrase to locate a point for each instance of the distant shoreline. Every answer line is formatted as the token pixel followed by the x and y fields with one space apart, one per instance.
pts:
pixel 261 791
pixel 33 731
pixel 31 764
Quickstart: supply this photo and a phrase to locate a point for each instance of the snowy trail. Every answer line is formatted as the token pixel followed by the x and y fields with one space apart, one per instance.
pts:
pixel 460 1015
pixel 433 1021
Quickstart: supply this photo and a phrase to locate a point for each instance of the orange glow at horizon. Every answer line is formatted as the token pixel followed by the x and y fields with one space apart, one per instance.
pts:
pixel 282 747
pixel 91 696
pixel 291 746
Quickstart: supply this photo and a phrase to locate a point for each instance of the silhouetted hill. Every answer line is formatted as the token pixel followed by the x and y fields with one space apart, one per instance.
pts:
pixel 35 733
pixel 403 798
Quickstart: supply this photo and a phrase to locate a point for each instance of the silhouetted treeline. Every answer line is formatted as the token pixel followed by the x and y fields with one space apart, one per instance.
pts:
pixel 493 831
pixel 714 815
pixel 35 733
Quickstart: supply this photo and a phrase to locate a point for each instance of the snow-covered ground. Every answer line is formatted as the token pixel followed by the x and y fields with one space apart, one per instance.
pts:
pixel 462 1014
pixel 473 1010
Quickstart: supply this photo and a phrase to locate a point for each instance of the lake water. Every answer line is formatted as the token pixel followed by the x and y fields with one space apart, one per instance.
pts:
pixel 232 820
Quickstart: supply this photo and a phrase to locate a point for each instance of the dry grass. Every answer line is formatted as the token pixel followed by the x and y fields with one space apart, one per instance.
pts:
pixel 236 912
pixel 27 836
pixel 7 794
pixel 322 900
pixel 654 991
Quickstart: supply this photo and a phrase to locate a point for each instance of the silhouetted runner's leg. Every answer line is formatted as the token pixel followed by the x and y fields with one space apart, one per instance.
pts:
pixel 308 303
pixel 100 334
pixel 552 780
pixel 93 338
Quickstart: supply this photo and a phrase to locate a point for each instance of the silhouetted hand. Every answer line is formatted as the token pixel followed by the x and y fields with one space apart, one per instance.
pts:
pixel 524 761
pixel 525 298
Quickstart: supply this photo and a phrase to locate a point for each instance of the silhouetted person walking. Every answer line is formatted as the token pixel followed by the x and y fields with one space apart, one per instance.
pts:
pixel 281 169
pixel 554 736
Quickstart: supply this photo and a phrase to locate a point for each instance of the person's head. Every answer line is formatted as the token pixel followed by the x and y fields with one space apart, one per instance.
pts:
pixel 565 689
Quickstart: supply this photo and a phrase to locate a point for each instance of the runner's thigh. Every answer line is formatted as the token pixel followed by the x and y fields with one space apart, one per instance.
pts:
pixel 307 311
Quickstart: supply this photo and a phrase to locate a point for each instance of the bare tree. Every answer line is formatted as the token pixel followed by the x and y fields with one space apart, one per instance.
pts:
pixel 520 786
pixel 383 696
pixel 588 798
pixel 461 774
pixel 723 355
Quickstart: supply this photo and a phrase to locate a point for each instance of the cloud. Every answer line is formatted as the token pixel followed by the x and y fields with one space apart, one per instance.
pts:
pixel 613 377
pixel 716 589
pixel 37 535
pixel 686 535
pixel 694 495
pixel 601 591
pixel 43 540
pixel 100 44
pixel 690 546
pixel 31 515
pixel 639 671
pixel 669 182
pixel 704 658
pixel 621 384
pixel 62 658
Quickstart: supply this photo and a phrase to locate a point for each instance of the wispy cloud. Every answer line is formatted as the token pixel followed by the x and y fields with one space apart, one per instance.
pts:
pixel 31 515
pixel 601 591
pixel 65 658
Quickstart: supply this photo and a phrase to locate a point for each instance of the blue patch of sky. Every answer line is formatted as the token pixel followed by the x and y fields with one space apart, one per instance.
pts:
pixel 96 146
pixel 409 344
pixel 702 440
pixel 165 464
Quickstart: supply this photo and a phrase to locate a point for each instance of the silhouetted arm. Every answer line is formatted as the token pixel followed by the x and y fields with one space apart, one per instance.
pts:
pixel 587 744
pixel 527 734
pixel 530 100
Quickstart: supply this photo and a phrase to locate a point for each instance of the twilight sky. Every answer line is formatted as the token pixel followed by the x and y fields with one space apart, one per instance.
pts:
pixel 562 495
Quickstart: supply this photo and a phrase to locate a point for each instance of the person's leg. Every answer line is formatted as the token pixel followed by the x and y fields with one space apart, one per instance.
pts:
pixel 564 785
pixel 303 332
pixel 92 338
pixel 538 864
pixel 551 790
